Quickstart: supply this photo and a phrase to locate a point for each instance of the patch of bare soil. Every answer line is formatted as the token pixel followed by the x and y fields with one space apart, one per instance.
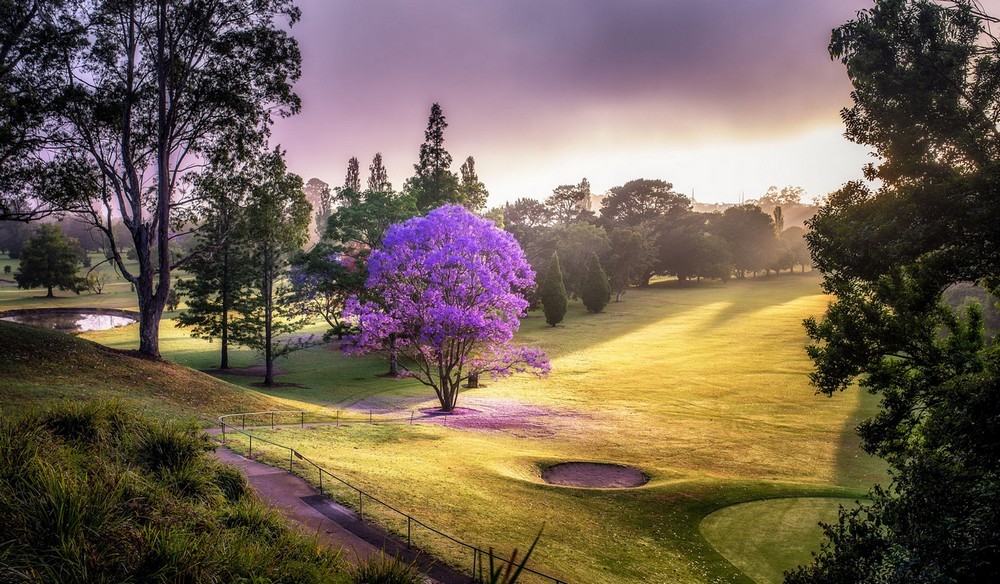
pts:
pixel 597 475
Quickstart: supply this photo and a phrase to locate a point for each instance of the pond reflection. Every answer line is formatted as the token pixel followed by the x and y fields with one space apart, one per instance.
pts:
pixel 72 322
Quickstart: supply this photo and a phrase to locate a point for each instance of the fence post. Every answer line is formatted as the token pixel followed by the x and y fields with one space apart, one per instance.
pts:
pixel 223 432
pixel 249 454
pixel 475 556
pixel 302 420
pixel 272 420
pixel 411 417
pixel 244 421
pixel 369 417
pixel 407 532
pixel 338 418
pixel 290 451
pixel 320 480
pixel 361 505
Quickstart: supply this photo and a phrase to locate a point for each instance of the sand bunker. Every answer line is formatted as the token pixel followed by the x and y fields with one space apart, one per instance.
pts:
pixel 594 475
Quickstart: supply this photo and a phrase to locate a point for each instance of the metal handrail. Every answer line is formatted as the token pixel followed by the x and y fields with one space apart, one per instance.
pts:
pixel 478 552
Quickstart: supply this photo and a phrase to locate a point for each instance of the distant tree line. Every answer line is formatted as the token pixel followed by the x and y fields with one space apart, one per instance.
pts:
pixel 645 229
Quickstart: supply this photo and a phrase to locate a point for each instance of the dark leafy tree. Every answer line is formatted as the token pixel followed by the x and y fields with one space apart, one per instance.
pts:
pixel 596 292
pixel 378 177
pixel 160 85
pixel 324 278
pixel 526 213
pixel 925 76
pixel 555 301
pixel 365 222
pixel 34 35
pixel 783 197
pixel 570 203
pixel 680 252
pixel 630 258
pixel 13 234
pixel 642 200
pixel 50 260
pixel 794 241
pixel 434 184
pixel 750 235
pixel 574 244
pixel 222 270
pixel 277 216
pixel 352 181
pixel 472 192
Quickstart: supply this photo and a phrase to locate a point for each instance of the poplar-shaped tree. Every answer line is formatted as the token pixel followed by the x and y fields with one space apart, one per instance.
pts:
pixel 449 292
pixel 596 291
pixel 555 301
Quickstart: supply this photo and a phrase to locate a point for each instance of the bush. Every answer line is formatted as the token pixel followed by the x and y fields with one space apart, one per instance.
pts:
pixel 596 290
pixel 383 569
pixel 6 269
pixel 555 302
pixel 85 498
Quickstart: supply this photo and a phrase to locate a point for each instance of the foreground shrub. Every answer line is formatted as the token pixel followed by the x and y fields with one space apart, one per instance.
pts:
pixel 96 493
pixel 383 569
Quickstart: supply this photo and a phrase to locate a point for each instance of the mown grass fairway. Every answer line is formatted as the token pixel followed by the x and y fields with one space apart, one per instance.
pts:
pixel 764 538
pixel 703 387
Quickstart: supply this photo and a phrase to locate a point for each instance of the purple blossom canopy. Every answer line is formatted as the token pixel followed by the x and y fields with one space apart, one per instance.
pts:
pixel 448 289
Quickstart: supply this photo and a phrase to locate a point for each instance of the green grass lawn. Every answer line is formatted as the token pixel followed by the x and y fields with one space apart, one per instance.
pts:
pixel 703 387
pixel 765 538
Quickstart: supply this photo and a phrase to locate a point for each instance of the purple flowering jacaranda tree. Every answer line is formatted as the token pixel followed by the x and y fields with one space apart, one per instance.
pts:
pixel 447 287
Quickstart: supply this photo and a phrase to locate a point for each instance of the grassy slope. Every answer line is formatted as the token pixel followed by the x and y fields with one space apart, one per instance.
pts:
pixel 40 366
pixel 704 387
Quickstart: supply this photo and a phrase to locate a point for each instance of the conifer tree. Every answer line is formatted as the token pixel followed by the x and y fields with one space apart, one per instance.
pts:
pixel 434 184
pixel 596 291
pixel 555 302
pixel 378 177
pixel 473 192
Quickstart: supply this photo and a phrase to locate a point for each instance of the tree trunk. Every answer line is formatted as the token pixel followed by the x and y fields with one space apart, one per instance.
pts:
pixel 393 358
pixel 149 327
pixel 50 294
pixel 224 358
pixel 473 381
pixel 268 315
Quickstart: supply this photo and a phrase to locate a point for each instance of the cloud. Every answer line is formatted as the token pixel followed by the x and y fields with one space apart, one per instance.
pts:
pixel 550 74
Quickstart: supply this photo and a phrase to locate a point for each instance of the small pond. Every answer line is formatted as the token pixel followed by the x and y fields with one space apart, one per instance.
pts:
pixel 71 321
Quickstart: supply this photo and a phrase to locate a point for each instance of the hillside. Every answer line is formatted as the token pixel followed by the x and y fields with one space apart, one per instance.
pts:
pixel 37 366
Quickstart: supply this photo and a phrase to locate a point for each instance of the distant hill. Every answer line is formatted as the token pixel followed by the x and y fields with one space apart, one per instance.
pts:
pixel 38 366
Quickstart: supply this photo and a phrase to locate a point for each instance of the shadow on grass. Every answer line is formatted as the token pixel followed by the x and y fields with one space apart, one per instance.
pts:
pixel 853 463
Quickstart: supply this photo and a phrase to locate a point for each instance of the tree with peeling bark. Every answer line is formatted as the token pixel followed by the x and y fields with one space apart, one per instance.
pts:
pixel 159 86
pixel 450 287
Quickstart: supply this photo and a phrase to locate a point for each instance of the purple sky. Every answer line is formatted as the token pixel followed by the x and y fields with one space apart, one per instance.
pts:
pixel 722 98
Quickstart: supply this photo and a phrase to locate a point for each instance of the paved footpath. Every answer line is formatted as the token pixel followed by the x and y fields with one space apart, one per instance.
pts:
pixel 330 522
